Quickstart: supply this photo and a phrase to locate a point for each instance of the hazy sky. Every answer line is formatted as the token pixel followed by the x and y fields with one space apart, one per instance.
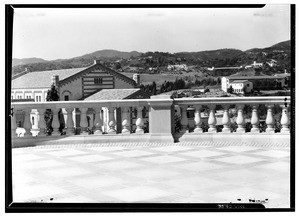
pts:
pixel 65 33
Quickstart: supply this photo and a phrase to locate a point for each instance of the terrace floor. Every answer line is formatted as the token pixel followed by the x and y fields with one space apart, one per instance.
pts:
pixel 185 172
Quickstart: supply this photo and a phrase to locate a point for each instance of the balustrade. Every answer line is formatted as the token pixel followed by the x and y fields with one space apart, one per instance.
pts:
pixel 156 106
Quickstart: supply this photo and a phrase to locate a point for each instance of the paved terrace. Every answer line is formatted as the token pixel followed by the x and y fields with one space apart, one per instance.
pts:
pixel 186 172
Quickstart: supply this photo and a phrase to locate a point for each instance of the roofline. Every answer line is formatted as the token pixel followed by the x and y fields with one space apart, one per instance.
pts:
pixel 108 70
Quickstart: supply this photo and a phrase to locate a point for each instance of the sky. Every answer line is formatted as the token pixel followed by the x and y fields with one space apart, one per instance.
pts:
pixel 65 33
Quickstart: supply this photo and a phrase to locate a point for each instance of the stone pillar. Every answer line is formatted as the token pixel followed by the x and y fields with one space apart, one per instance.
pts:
pixel 27 124
pixel 111 120
pixel 139 121
pixel 69 122
pixel 254 120
pixel 41 122
pixel 270 120
pixel 226 120
pixel 212 119
pixel 197 119
pixel 98 120
pixel 161 119
pixel 13 125
pixel 184 119
pixel 83 121
pixel 285 121
pixel 125 120
pixel 55 122
pixel 240 121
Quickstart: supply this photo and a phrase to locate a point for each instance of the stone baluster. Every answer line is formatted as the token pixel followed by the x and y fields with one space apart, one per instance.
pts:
pixel 226 120
pixel 83 121
pixel 254 120
pixel 240 120
pixel 270 121
pixel 285 121
pixel 139 121
pixel 98 123
pixel 212 119
pixel 13 121
pixel 125 120
pixel 184 119
pixel 70 123
pixel 111 121
pixel 27 123
pixel 42 122
pixel 55 122
pixel 197 119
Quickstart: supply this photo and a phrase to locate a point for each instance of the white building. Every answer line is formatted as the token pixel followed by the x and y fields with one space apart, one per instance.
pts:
pixel 237 85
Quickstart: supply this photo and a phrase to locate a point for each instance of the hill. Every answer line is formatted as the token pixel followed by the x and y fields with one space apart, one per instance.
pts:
pixel 16 61
pixel 143 62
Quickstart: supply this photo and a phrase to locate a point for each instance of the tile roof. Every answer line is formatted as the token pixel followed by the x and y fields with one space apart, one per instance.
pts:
pixel 251 77
pixel 113 94
pixel 42 79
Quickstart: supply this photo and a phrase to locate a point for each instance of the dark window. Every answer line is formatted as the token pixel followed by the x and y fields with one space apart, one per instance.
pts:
pixel 66 98
pixel 98 80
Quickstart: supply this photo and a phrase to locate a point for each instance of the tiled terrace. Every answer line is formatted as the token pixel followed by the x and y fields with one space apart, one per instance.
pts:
pixel 186 172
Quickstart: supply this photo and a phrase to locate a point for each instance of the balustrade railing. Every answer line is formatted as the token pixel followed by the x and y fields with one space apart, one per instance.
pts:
pixel 157 123
pixel 84 121
pixel 237 103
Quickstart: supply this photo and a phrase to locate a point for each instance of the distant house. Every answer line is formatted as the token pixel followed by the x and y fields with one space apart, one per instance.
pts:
pixel 241 86
pixel 265 81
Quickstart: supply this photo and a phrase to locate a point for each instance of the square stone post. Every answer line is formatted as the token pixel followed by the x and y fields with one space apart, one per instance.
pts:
pixel 161 119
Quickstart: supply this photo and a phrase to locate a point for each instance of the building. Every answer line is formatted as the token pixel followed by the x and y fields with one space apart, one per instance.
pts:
pixel 73 84
pixel 259 82
pixel 241 86
pixel 89 83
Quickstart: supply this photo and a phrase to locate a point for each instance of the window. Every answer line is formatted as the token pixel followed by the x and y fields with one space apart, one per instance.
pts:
pixel 66 98
pixel 248 85
pixel 98 80
pixel 38 98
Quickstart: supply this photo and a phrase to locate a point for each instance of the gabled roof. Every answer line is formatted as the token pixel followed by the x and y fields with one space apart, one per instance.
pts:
pixel 117 94
pixel 42 79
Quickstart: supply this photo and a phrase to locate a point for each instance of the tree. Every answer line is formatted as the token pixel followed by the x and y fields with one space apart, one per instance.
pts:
pixel 153 88
pixel 230 89
pixel 52 94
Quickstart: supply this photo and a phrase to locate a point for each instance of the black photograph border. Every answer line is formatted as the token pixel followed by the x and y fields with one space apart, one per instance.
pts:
pixel 12 207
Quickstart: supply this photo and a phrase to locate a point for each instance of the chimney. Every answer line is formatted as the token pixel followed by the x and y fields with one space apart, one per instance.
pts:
pixel 136 78
pixel 97 62
pixel 55 80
